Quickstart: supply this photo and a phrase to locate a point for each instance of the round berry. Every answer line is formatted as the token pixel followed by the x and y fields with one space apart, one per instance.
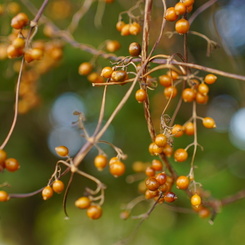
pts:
pixel 11 164
pixel 134 49
pixel 170 92
pixel 168 150
pixel 58 186
pixel 165 80
pixel 152 184
pixel 134 28
pixel 150 171
pixel 125 30
pixel 156 165
pixel 196 200
pixel 161 178
pixel 208 122
pixel 120 25
pixel 85 68
pixel 182 26
pixel 106 72
pixel 188 94
pixel 170 197
pixel 151 194
pixel 180 155
pixel 112 45
pixel 154 149
pixel 173 74
pixel 19 21
pixel 180 8
pixel 4 196
pixel 188 3
pixel 210 79
pixel 204 212
pixel 3 156
pixel 161 140
pixel 62 151
pixel 170 14
pixel 182 182
pixel 189 128
pixel 201 98
pixel 100 162
pixel 117 168
pixel 18 43
pixel 203 88
pixel 140 95
pixel 83 202
pixel 119 75
pixel 94 212
pixel 47 192
pixel 177 130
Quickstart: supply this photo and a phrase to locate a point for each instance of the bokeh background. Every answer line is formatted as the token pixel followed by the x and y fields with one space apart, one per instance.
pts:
pixel 220 167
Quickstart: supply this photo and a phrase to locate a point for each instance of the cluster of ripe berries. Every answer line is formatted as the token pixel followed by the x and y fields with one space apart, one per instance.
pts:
pixel 128 29
pixel 9 164
pixel 181 8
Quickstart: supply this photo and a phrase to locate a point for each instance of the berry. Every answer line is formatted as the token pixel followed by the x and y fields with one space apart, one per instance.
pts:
pixel 170 14
pixel 152 184
pixel 168 150
pixel 177 130
pixel 173 74
pixel 106 72
pixel 100 162
pixel 188 3
pixel 161 178
pixel 120 25
pixel 94 212
pixel 58 186
pixel 119 75
pixel 112 45
pixel 94 77
pixel 203 88
pixel 151 194
pixel 4 196
pixel 210 79
pixel 85 68
pixel 208 122
pixel 182 182
pixel 117 168
pixel 83 202
pixel 12 52
pixel 125 30
pixel 204 212
pixel 180 8
pixel 156 165
pixel 124 215
pixel 3 156
pixel 188 94
pixel 189 128
pixel 150 171
pixel 134 28
pixel 161 140
pixel 19 21
pixel 18 43
pixel 154 149
pixel 47 192
pixel 170 197
pixel 113 159
pixel 165 80
pixel 33 54
pixel 62 151
pixel 201 98
pixel 11 164
pixel 140 95
pixel 134 49
pixel 170 92
pixel 182 26
pixel 180 155
pixel 196 200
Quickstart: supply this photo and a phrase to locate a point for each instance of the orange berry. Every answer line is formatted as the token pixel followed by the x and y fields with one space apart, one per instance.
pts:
pixel 106 72
pixel 196 200
pixel 150 171
pixel 182 26
pixel 119 75
pixel 161 140
pixel 170 14
pixel 4 196
pixel 210 79
pixel 120 25
pixel 203 88
pixel 3 156
pixel 83 202
pixel 58 186
pixel 180 155
pixel 156 165
pixel 140 95
pixel 189 128
pixel 188 3
pixel 170 197
pixel 188 94
pixel 177 130
pixel 85 68
pixel 161 178
pixel 170 92
pixel 182 182
pixel 100 162
pixel 168 150
pixel 94 212
pixel 204 212
pixel 12 52
pixel 125 30
pixel 18 43
pixel 134 49
pixel 152 184
pixel 94 77
pixel 173 74
pixel 62 151
pixel 47 192
pixel 19 21
pixel 154 149
pixel 208 122
pixel 11 164
pixel 180 8
pixel 112 45
pixel 134 28
pixel 117 168
pixel 201 98
pixel 165 80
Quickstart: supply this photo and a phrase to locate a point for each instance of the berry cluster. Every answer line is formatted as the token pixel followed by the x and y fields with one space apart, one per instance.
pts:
pixel 128 29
